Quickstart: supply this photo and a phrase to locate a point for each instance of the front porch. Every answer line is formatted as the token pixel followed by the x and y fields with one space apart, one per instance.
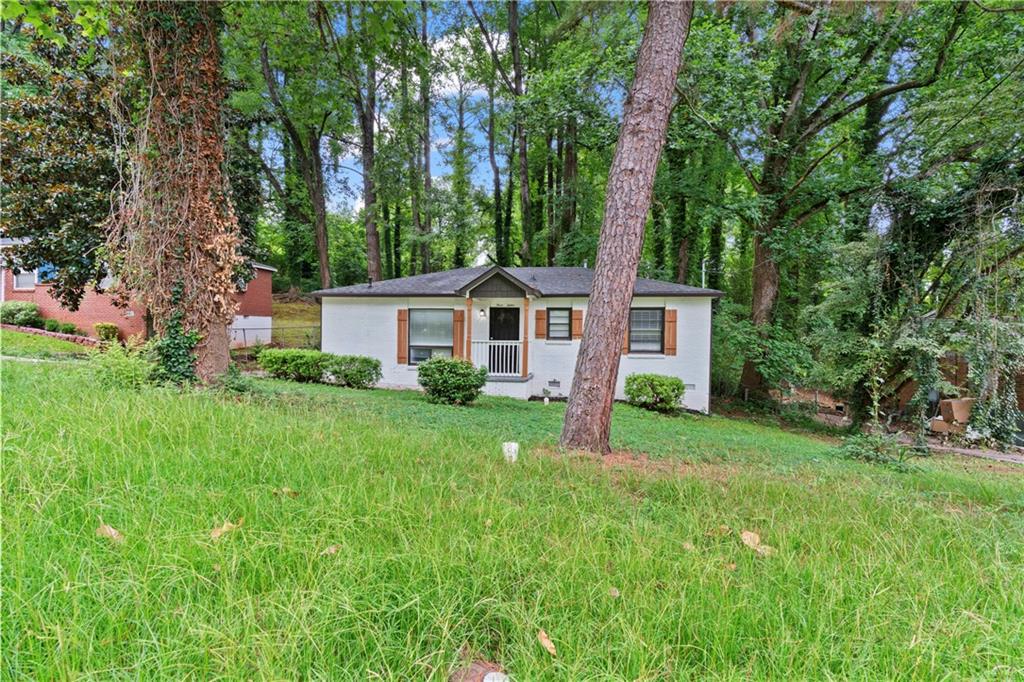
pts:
pixel 497 330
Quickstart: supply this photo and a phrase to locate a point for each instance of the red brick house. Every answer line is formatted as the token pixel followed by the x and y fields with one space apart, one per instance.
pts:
pixel 252 323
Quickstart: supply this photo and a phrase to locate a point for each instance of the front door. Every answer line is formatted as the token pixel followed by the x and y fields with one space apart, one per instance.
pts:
pixel 504 324
pixel 503 352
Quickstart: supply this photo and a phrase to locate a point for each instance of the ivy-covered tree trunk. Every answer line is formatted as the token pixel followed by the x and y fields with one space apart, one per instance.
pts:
pixel 175 231
pixel 627 201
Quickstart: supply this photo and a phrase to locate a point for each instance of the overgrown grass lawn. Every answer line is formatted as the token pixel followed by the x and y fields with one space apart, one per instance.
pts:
pixel 410 540
pixel 22 344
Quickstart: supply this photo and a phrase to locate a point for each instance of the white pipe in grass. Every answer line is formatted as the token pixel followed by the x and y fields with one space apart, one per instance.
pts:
pixel 511 451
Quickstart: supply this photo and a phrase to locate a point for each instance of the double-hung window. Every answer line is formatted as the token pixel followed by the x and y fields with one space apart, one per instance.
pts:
pixel 646 330
pixel 559 321
pixel 430 334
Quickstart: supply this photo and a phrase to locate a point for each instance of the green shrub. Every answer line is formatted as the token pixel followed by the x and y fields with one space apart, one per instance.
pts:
pixel 451 381
pixel 51 325
pixel 355 371
pixel 21 313
pixel 123 366
pixel 293 363
pixel 654 392
pixel 107 332
pixel 67 328
pixel 876 448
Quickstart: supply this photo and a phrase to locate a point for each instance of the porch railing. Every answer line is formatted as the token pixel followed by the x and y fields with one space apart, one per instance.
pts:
pixel 501 358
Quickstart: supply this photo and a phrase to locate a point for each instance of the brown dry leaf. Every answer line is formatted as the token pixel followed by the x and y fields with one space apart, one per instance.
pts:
pixel 730 567
pixel 614 593
pixel 285 492
pixel 689 547
pixel 216 533
pixel 546 642
pixel 718 531
pixel 753 541
pixel 113 534
pixel 333 549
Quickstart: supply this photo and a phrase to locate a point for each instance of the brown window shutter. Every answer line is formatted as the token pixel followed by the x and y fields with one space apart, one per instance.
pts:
pixel 670 331
pixel 458 333
pixel 625 340
pixel 403 336
pixel 541 328
pixel 577 323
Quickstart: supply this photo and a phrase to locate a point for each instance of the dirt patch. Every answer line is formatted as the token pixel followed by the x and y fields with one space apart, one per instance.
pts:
pixel 625 460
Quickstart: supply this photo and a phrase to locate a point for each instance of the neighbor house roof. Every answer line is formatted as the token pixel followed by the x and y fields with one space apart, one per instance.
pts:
pixel 534 281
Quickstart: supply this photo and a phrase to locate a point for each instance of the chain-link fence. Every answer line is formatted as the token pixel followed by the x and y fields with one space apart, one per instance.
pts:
pixel 246 343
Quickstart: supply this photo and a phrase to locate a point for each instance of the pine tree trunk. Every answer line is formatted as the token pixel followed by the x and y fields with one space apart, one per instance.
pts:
pixel 389 265
pixel 526 250
pixel 425 104
pixel 569 172
pixel 627 201
pixel 396 239
pixel 367 118
pixel 500 244
pixel 315 181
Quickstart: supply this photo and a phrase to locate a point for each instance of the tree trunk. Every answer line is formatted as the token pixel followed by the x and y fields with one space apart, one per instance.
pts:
pixel 367 119
pixel 549 213
pixel 526 251
pixel 425 103
pixel 569 172
pixel 658 235
pixel 627 201
pixel 500 243
pixel 389 264
pixel 716 247
pixel 508 202
pixel 314 172
pixel 396 239
pixel 174 230
pixel 764 295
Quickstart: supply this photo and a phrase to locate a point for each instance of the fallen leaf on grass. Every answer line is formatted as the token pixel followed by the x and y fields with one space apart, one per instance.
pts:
pixel 113 534
pixel 689 547
pixel 285 492
pixel 718 531
pixel 753 541
pixel 730 567
pixel 546 642
pixel 216 533
pixel 333 549
pixel 614 593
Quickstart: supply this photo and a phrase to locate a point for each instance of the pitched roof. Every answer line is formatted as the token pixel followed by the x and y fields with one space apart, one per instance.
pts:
pixel 536 281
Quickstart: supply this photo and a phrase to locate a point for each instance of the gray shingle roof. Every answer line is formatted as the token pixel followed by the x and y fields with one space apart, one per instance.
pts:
pixel 548 281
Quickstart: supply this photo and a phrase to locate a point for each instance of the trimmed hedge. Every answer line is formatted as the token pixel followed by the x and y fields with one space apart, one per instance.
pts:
pixel 293 363
pixel 451 381
pixel 21 314
pixel 655 391
pixel 314 366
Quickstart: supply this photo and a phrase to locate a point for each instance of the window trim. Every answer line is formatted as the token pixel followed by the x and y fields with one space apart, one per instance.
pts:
pixel 661 337
pixel 31 287
pixel 410 345
pixel 568 329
